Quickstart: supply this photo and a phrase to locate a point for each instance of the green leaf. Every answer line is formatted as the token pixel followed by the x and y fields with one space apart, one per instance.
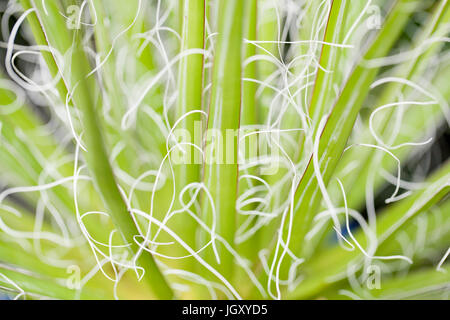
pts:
pixel 188 117
pixel 84 98
pixel 423 284
pixel 221 169
pixel 334 132
pixel 335 260
pixel 36 286
pixel 371 159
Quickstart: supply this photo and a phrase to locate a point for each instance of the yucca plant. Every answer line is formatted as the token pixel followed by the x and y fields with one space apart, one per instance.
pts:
pixel 224 149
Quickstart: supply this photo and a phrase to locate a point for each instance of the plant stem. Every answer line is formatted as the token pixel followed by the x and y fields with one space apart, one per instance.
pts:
pixel 190 90
pixel 221 169
pixel 84 97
